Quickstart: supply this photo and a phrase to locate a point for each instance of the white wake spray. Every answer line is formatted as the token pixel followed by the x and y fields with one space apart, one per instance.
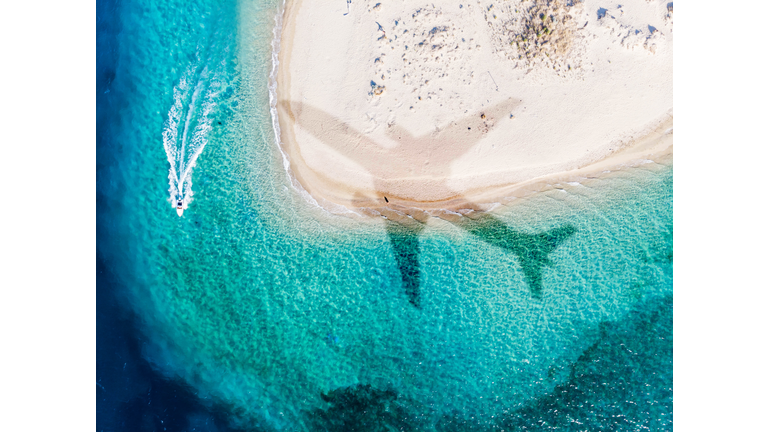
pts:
pixel 194 109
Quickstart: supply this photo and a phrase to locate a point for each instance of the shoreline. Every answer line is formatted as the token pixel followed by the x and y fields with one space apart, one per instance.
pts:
pixel 401 195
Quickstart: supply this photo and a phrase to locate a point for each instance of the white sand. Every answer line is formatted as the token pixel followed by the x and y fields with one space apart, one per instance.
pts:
pixel 441 105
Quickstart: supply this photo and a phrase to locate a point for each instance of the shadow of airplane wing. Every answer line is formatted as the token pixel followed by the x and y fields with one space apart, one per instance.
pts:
pixel 444 147
pixel 332 131
pixel 405 245
pixel 532 250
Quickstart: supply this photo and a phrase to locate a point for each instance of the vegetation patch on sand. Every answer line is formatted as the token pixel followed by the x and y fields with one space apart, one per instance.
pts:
pixel 538 32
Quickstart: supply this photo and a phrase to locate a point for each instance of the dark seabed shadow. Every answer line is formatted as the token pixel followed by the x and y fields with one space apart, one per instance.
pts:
pixel 622 382
pixel 363 408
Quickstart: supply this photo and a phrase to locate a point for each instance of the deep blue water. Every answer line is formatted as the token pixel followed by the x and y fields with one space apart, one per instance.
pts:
pixel 258 311
pixel 130 394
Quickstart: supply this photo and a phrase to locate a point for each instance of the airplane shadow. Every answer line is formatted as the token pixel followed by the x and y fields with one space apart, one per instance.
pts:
pixel 531 250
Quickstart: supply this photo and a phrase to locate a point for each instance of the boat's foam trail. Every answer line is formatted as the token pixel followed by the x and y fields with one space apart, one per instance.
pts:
pixel 195 108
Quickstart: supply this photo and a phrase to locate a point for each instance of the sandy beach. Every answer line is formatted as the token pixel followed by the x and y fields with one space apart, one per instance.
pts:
pixel 405 106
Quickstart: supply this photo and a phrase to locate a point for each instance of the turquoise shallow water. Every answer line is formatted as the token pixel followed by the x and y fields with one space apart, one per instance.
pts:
pixel 294 319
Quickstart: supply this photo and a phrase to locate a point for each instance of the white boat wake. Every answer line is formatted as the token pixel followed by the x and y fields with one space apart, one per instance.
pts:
pixel 194 98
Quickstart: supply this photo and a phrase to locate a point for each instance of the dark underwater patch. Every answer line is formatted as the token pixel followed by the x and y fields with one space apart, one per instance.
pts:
pixel 622 382
pixel 362 408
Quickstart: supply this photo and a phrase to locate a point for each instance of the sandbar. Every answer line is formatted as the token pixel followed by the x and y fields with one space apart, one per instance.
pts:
pixel 455 104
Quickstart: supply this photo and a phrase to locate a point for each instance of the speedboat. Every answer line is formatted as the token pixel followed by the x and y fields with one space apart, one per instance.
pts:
pixel 179 208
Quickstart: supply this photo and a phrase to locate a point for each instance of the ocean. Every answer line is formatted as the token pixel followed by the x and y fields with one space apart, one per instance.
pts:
pixel 257 310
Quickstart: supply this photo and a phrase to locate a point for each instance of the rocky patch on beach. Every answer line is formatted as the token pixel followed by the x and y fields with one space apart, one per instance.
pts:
pixel 418 49
pixel 537 33
pixel 425 46
pixel 628 36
